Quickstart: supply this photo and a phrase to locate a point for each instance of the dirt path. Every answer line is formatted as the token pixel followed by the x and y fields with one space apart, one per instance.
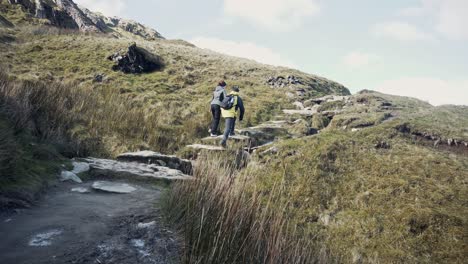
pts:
pixel 95 227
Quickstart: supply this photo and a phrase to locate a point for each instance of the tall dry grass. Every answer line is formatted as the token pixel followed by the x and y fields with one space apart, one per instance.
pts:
pixel 224 219
pixel 85 121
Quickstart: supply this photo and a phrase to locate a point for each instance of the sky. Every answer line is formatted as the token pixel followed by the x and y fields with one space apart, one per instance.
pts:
pixel 416 48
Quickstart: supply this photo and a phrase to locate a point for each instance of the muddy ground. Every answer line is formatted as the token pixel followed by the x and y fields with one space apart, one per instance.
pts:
pixel 95 227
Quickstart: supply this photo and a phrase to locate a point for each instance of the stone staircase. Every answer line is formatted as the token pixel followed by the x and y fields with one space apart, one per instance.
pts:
pixel 154 166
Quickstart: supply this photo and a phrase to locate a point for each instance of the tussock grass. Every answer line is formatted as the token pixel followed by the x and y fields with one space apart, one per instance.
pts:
pixel 90 122
pixel 226 220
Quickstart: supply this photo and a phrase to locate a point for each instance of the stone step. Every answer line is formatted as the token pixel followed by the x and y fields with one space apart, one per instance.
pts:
pixel 304 112
pixel 205 147
pixel 133 170
pixel 151 157
pixel 220 137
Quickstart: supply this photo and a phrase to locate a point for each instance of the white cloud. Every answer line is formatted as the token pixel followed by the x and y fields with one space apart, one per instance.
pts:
pixel 435 91
pixel 358 59
pixel 243 49
pixel 449 17
pixel 107 7
pixel 453 19
pixel 276 15
pixel 401 31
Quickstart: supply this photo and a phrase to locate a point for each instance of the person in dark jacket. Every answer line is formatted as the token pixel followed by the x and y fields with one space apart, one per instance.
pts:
pixel 230 115
pixel 218 95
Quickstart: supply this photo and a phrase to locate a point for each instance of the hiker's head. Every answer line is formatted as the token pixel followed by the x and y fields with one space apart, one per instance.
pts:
pixel 222 83
pixel 235 88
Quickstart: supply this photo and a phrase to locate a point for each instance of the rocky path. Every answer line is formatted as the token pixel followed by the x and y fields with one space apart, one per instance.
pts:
pixel 105 220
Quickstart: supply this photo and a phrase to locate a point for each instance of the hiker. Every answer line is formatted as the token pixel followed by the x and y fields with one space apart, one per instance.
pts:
pixel 218 96
pixel 229 107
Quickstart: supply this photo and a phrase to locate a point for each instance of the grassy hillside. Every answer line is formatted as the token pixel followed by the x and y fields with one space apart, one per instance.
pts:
pixel 383 182
pixel 376 195
pixel 179 95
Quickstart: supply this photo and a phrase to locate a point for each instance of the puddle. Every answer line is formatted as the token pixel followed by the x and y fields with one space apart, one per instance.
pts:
pixel 44 239
pixel 139 244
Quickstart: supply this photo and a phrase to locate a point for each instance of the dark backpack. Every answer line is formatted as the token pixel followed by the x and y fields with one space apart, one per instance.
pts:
pixel 228 102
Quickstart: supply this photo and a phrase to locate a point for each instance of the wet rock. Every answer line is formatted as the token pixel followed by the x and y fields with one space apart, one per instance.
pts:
pixel 80 167
pixel 136 60
pixel 134 170
pixel 44 239
pixel 151 157
pixel 146 225
pixel 113 187
pixel 81 190
pixel 69 176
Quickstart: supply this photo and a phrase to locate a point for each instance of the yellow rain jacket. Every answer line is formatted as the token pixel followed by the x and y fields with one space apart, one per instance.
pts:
pixel 233 111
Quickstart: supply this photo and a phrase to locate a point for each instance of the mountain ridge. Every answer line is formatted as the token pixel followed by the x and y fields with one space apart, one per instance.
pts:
pixel 67 14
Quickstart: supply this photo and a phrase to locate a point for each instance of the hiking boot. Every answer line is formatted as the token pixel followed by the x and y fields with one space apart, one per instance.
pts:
pixel 232 134
pixel 223 144
pixel 213 135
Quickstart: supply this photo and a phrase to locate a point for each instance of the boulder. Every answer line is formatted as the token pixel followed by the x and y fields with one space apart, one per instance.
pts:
pixel 151 157
pixel 265 133
pixel 298 105
pixel 69 176
pixel 134 171
pixel 113 187
pixel 136 60
pixel 79 167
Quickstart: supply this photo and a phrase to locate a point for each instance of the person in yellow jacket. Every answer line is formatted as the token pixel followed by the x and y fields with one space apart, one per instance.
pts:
pixel 230 114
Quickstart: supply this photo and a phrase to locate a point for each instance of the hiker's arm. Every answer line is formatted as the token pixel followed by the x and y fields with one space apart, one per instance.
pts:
pixel 241 108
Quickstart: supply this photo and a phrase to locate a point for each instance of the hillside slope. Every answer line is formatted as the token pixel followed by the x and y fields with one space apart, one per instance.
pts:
pixel 177 96
pixel 364 178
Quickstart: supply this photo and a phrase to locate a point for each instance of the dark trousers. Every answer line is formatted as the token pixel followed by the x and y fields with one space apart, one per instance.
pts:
pixel 229 126
pixel 233 127
pixel 216 112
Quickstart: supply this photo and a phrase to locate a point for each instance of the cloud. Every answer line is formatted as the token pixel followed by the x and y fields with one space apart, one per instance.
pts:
pixel 401 31
pixel 243 49
pixel 107 7
pixel 453 19
pixel 449 16
pixel 275 15
pixel 358 59
pixel 435 91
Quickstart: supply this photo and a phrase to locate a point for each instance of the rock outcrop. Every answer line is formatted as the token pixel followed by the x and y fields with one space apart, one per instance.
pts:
pixel 109 169
pixel 151 157
pixel 113 187
pixel 136 60
pixel 67 14
pixel 5 23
